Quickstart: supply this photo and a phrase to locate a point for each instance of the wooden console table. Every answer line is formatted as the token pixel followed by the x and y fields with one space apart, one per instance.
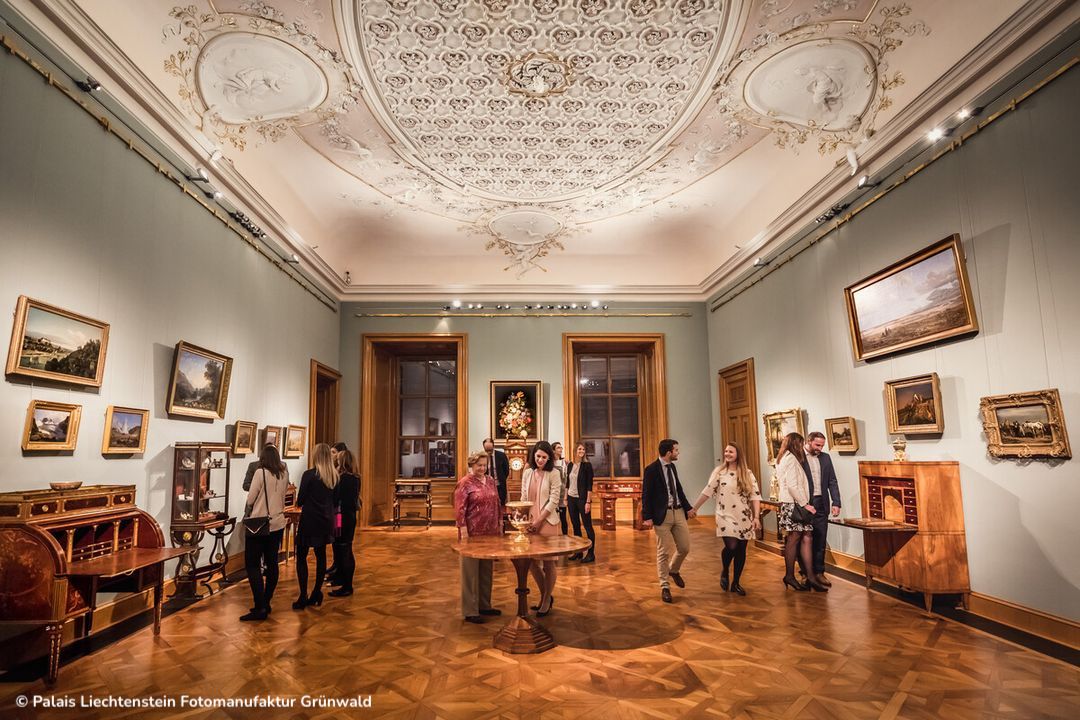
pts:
pixel 523 634
pixel 406 490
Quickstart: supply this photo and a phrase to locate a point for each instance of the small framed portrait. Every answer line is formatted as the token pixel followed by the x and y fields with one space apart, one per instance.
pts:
pixel 842 434
pixel 50 343
pixel 244 434
pixel 199 386
pixel 778 425
pixel 1025 425
pixel 272 436
pixel 913 406
pixel 125 431
pixel 51 426
pixel 295 439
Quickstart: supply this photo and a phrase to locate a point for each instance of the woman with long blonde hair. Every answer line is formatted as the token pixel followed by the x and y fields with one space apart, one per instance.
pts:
pixel 316 499
pixel 738 507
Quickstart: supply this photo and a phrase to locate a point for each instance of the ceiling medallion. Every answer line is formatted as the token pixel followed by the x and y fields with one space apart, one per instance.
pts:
pixel 538 75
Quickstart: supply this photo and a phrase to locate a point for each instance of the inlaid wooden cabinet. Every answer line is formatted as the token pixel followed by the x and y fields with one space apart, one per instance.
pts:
pixel 913 527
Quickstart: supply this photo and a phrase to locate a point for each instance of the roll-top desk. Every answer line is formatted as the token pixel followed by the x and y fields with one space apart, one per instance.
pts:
pixel 58 549
pixel 913 527
pixel 611 490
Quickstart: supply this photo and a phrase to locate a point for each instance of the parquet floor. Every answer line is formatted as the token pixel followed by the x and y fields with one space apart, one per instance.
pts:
pixel 623 653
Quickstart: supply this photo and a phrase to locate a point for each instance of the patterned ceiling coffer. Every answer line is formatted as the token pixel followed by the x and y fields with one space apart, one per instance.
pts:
pixel 254 73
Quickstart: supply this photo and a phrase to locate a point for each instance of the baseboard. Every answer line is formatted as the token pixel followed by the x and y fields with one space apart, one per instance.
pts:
pixel 1018 617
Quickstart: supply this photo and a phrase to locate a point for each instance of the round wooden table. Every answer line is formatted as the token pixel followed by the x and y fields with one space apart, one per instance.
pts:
pixel 523 634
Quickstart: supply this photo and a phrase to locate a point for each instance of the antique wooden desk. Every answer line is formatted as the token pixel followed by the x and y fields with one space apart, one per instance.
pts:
pixel 611 490
pixel 418 489
pixel 523 634
pixel 58 549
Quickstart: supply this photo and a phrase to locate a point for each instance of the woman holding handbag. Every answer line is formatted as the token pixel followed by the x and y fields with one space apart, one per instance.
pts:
pixel 315 498
pixel 796 512
pixel 264 525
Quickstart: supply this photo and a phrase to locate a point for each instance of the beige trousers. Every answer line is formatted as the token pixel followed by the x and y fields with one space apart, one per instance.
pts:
pixel 672 544
pixel 475 586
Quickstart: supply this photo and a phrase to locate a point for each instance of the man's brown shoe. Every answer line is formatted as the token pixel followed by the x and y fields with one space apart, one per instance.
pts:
pixel 677 579
pixel 665 595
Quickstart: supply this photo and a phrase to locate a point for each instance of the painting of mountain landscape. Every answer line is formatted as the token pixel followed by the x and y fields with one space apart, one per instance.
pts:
pixel 52 343
pixel 200 382
pixel 51 426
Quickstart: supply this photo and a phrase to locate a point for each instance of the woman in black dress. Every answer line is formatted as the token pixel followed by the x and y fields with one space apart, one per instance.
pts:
pixel 316 530
pixel 348 496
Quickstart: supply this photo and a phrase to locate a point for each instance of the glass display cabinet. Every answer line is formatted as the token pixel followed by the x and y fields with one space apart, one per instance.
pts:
pixel 200 506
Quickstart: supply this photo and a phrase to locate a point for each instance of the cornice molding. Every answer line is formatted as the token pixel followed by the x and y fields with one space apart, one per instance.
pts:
pixel 515 292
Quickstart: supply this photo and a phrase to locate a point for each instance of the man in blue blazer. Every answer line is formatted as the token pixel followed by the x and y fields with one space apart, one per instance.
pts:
pixel 823 488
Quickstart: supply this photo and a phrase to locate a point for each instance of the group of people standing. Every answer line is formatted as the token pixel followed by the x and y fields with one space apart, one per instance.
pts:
pixel 809 494
pixel 328 498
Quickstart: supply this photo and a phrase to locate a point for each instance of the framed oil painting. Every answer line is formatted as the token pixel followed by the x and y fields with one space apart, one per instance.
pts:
pixel 51 426
pixel 54 344
pixel 1025 425
pixel 200 382
pixel 913 406
pixel 244 437
pixel 517 408
pixel 125 431
pixel 922 299
pixel 842 434
pixel 272 436
pixel 295 439
pixel 779 424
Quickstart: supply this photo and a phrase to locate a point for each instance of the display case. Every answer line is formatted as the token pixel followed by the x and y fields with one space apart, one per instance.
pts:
pixel 200 506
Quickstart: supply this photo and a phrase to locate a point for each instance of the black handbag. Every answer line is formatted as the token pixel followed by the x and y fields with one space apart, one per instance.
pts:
pixel 801 515
pixel 259 526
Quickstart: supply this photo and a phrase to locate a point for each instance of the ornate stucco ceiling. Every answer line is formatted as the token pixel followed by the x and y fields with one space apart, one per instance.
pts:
pixel 608 141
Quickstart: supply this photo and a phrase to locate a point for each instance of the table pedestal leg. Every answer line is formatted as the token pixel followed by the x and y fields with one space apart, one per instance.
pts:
pixel 523 634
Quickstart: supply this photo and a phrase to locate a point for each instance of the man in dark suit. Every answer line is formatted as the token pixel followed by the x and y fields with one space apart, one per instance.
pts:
pixel 665 509
pixel 823 489
pixel 499 467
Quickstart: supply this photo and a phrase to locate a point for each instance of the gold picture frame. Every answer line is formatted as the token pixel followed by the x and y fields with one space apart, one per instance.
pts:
pixel 842 434
pixel 499 391
pixel 125 431
pixel 923 299
pixel 245 433
pixel 777 425
pixel 295 441
pixel 72 345
pixel 271 435
pixel 51 426
pixel 205 394
pixel 1026 425
pixel 909 411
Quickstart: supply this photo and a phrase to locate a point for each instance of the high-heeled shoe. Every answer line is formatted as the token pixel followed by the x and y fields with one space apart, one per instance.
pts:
pixel 315 598
pixel 542 613
pixel 724 581
pixel 300 603
pixel 794 584
pixel 737 589
pixel 537 606
pixel 815 585
pixel 340 592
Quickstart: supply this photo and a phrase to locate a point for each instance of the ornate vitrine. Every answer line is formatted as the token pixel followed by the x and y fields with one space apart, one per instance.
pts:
pixel 200 506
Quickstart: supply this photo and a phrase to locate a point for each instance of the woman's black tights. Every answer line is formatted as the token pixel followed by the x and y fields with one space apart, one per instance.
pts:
pixel 301 567
pixel 798 545
pixel 734 549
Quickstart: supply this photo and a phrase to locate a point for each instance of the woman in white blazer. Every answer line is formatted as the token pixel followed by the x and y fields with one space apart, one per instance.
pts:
pixel 541 484
pixel 795 490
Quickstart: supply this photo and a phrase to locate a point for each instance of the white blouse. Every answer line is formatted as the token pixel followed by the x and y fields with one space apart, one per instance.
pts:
pixel 792 479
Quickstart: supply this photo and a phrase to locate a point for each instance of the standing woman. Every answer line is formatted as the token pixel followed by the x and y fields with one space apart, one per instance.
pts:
pixel 348 502
pixel 541 484
pixel 266 498
pixel 738 507
pixel 316 530
pixel 478 512
pixel 795 491
pixel 579 477
pixel 560 465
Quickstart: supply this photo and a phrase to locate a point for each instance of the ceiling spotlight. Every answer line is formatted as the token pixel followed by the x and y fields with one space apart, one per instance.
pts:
pixel 863 181
pixel 762 262
pixel 964 114
pixel 215 157
pixel 605 307
pixel 445 307
pixel 935 135
pixel 573 305
pixel 215 194
pixel 200 175
pixel 348 278
pixel 456 303
pixel 293 259
pixel 595 303
pixel 479 306
pixel 470 306
pixel 88 85
pixel 551 307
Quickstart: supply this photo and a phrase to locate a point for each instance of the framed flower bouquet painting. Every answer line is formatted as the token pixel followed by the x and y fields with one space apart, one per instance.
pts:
pixel 517 408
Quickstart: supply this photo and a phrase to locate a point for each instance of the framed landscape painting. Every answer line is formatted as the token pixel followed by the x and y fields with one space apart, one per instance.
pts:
pixel 51 426
pixel 54 344
pixel 842 434
pixel 517 406
pixel 244 437
pixel 922 299
pixel 199 386
pixel 295 439
pixel 779 424
pixel 913 405
pixel 272 436
pixel 1025 425
pixel 125 431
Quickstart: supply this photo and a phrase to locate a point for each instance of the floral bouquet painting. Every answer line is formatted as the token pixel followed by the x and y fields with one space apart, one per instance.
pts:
pixel 515 409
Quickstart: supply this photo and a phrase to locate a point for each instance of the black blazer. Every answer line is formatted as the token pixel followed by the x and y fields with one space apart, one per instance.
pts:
pixel 829 487
pixel 316 503
pixel 584 479
pixel 654 494
pixel 501 471
pixel 347 498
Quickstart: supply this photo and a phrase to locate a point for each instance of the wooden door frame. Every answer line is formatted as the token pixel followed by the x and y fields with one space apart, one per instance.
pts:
pixel 754 452
pixel 319 370
pixel 655 416
pixel 370 342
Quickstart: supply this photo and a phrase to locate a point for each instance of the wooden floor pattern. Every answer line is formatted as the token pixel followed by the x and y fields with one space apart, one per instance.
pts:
pixel 622 652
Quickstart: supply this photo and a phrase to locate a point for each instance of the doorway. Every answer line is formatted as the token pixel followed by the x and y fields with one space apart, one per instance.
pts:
pixel 738 411
pixel 324 403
